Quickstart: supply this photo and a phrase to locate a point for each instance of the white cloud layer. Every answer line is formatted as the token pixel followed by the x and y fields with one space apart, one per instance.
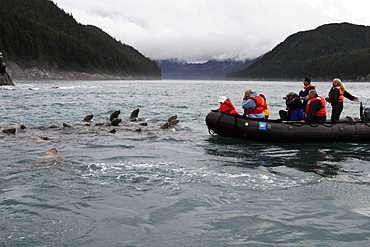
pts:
pixel 199 30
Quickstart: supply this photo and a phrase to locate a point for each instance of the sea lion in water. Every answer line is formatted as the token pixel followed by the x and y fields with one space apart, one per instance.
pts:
pixel 50 152
pixel 9 130
pixel 68 126
pixel 173 120
pixel 115 121
pixel 114 115
pixel 50 159
pixel 170 122
pixel 88 118
pixel 40 139
pixel 134 115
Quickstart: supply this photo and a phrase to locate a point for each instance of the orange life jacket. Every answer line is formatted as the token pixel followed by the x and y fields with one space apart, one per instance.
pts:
pixel 340 95
pixel 227 106
pixel 309 85
pixel 258 100
pixel 264 104
pixel 322 111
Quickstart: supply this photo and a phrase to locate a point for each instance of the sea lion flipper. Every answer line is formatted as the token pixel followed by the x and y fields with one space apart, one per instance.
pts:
pixel 134 114
pixel 88 118
pixel 114 115
pixel 172 118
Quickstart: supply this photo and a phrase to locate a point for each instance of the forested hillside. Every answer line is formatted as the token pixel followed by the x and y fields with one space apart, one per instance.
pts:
pixel 37 33
pixel 333 50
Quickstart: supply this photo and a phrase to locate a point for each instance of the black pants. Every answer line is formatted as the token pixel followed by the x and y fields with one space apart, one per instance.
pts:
pixel 337 109
pixel 284 116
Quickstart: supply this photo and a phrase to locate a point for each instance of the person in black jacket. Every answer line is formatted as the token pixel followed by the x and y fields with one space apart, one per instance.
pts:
pixel 294 106
pixel 336 98
pixel 304 93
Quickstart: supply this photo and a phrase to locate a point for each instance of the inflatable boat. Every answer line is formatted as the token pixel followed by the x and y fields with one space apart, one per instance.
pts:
pixel 233 125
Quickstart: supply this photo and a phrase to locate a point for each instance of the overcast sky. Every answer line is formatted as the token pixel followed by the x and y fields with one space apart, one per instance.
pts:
pixel 199 30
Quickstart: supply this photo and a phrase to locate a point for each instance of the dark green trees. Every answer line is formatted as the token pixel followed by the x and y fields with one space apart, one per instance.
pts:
pixel 333 50
pixel 38 33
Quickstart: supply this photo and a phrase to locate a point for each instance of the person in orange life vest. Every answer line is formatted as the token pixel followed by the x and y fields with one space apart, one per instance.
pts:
pixel 315 108
pixel 253 105
pixel 336 98
pixel 226 105
pixel 304 93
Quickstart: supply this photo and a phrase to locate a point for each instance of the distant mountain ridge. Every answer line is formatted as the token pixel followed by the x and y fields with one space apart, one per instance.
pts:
pixel 332 50
pixel 210 70
pixel 39 34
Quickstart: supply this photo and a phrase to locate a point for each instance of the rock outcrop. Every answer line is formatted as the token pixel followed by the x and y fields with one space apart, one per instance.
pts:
pixel 5 80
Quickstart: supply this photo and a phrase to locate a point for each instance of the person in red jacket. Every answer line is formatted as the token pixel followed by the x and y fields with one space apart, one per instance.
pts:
pixel 226 105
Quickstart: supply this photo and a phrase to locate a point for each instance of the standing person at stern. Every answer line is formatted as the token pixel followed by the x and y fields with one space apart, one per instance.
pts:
pixel 336 98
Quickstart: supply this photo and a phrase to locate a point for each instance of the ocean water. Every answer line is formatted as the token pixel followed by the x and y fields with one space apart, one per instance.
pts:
pixel 173 187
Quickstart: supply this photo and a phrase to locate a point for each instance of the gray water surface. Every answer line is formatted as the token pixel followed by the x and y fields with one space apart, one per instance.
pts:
pixel 173 187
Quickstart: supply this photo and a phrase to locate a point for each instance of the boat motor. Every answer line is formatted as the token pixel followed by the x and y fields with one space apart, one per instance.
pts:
pixel 367 114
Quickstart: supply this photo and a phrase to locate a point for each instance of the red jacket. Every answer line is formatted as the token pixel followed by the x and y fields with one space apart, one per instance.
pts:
pixel 261 105
pixel 227 106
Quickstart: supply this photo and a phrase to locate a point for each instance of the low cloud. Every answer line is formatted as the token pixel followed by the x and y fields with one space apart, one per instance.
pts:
pixel 197 31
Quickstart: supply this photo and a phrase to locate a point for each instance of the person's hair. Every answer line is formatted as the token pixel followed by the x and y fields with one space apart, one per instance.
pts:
pixel 313 91
pixel 307 79
pixel 248 92
pixel 338 82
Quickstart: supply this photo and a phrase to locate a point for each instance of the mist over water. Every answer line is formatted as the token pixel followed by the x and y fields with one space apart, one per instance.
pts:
pixel 174 187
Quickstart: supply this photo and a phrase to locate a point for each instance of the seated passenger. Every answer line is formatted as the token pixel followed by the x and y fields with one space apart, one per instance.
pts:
pixel 226 105
pixel 253 104
pixel 294 106
pixel 315 109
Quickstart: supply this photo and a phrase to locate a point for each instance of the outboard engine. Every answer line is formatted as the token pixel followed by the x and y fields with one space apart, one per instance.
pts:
pixel 367 114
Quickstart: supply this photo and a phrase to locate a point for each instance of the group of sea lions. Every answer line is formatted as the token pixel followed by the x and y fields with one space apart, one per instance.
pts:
pixel 134 124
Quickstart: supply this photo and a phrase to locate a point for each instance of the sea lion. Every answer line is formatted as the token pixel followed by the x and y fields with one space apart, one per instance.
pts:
pixel 50 152
pixel 88 118
pixel 115 121
pixel 170 122
pixel 50 159
pixel 9 130
pixel 114 115
pixel 165 126
pixel 40 139
pixel 68 126
pixel 172 118
pixel 134 115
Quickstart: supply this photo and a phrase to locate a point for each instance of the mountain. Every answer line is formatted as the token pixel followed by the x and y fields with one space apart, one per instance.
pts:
pixel 210 70
pixel 38 34
pixel 332 50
